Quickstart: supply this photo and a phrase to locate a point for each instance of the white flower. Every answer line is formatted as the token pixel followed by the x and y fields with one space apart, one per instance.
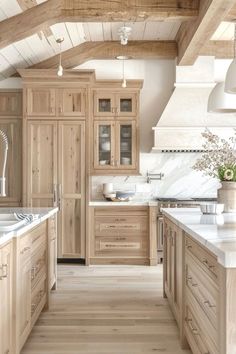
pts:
pixel 228 175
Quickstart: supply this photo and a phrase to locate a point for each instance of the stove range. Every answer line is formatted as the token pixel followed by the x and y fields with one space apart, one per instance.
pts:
pixel 170 200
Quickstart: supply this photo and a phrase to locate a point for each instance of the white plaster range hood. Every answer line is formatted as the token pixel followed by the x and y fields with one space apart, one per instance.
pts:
pixel 185 116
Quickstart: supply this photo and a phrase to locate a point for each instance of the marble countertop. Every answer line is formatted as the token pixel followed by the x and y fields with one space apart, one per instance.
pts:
pixel 215 232
pixel 43 214
pixel 142 202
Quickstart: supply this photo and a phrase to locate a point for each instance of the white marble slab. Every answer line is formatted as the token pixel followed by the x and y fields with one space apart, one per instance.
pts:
pixel 215 232
pixel 43 214
pixel 130 203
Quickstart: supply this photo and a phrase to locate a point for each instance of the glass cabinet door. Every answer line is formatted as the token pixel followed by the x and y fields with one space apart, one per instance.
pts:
pixel 104 145
pixel 127 145
pixel 104 104
pixel 126 104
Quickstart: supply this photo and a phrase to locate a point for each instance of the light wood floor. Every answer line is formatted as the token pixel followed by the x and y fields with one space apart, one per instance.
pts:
pixel 106 310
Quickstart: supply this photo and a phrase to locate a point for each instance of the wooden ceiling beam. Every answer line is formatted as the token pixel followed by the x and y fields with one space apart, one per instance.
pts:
pixel 110 50
pixel 129 10
pixel 218 49
pixel 36 18
pixel 192 36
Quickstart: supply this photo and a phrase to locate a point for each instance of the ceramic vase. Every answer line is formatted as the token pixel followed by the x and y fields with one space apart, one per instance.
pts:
pixel 227 195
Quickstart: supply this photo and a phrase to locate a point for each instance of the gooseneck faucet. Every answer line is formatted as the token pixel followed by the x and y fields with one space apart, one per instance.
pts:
pixel 2 178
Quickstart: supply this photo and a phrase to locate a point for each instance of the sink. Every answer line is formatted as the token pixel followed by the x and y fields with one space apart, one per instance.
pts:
pixel 8 222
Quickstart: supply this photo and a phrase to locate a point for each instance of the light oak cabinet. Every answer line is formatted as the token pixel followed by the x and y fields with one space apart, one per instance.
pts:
pixel 55 102
pixel 6 286
pixel 56 176
pixel 10 103
pixel 173 267
pixel 118 104
pixel 11 125
pixel 115 145
pixel 72 102
pixel 115 130
pixel 52 253
pixel 119 235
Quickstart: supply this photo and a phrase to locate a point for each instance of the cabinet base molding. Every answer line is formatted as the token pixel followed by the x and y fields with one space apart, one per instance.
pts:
pixel 119 261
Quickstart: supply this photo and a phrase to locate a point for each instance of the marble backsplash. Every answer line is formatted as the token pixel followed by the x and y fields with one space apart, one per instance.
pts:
pixel 179 180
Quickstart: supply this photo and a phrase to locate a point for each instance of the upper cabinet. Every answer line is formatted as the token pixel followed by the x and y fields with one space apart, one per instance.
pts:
pixel 52 102
pixel 41 101
pixel 72 102
pixel 119 104
pixel 10 103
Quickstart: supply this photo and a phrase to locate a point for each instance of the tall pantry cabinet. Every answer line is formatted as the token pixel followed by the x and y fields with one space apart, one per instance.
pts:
pixel 55 111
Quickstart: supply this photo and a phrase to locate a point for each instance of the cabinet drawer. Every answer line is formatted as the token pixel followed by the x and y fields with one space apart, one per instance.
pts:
pixel 206 260
pixel 121 225
pixel 203 289
pixel 38 299
pixel 38 265
pixel 38 236
pixel 52 228
pixel 121 246
pixel 196 337
pixel 121 212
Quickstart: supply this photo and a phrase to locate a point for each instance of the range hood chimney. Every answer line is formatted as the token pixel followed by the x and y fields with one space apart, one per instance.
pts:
pixel 185 116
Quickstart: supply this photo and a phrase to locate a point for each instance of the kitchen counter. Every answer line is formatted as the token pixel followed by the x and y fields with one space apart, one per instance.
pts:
pixel 43 214
pixel 142 202
pixel 216 232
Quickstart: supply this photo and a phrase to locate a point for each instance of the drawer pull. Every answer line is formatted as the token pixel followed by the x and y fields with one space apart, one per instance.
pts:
pixel 207 302
pixel 25 249
pixel 193 330
pixel 4 267
pixel 190 280
pixel 120 238
pixel 120 219
pixel 189 247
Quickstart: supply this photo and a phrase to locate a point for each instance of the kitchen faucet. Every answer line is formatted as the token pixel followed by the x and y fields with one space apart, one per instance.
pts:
pixel 2 178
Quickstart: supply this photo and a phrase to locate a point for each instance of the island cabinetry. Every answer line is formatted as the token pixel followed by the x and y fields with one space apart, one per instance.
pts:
pixel 55 102
pixel 119 235
pixel 52 253
pixel 6 288
pixel 11 125
pixel 173 268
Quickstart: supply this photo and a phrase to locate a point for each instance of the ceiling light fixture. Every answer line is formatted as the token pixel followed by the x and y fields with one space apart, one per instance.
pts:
pixel 123 58
pixel 60 67
pixel 124 33
pixel 230 80
pixel 220 101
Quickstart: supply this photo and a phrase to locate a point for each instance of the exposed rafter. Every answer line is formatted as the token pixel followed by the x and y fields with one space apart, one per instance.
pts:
pixel 110 50
pixel 37 18
pixel 218 49
pixel 193 35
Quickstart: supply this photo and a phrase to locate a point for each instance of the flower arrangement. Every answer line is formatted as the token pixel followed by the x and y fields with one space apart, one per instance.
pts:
pixel 219 160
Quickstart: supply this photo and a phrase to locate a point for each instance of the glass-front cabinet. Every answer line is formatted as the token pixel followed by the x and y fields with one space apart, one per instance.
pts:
pixel 108 104
pixel 115 145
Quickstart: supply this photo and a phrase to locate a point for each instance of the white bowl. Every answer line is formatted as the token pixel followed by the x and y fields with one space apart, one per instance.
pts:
pixel 103 162
pixel 207 208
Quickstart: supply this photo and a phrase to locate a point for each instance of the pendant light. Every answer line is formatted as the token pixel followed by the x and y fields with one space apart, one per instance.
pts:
pixel 123 58
pixel 124 33
pixel 230 80
pixel 221 102
pixel 60 67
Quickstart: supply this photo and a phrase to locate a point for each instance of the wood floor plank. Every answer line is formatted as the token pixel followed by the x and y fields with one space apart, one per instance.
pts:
pixel 106 310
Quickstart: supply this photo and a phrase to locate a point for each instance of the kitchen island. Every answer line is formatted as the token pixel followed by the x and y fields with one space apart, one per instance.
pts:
pixel 200 278
pixel 27 271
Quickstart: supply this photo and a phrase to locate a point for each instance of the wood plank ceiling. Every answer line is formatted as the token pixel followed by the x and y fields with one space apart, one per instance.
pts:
pixel 42 45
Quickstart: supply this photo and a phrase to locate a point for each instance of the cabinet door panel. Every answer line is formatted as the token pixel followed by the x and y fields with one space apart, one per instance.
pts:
pixel 72 102
pixel 126 104
pixel 42 163
pixel 104 145
pixel 126 141
pixel 41 102
pixel 6 299
pixel 24 301
pixel 10 104
pixel 104 104
pixel 71 154
pixel 13 129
